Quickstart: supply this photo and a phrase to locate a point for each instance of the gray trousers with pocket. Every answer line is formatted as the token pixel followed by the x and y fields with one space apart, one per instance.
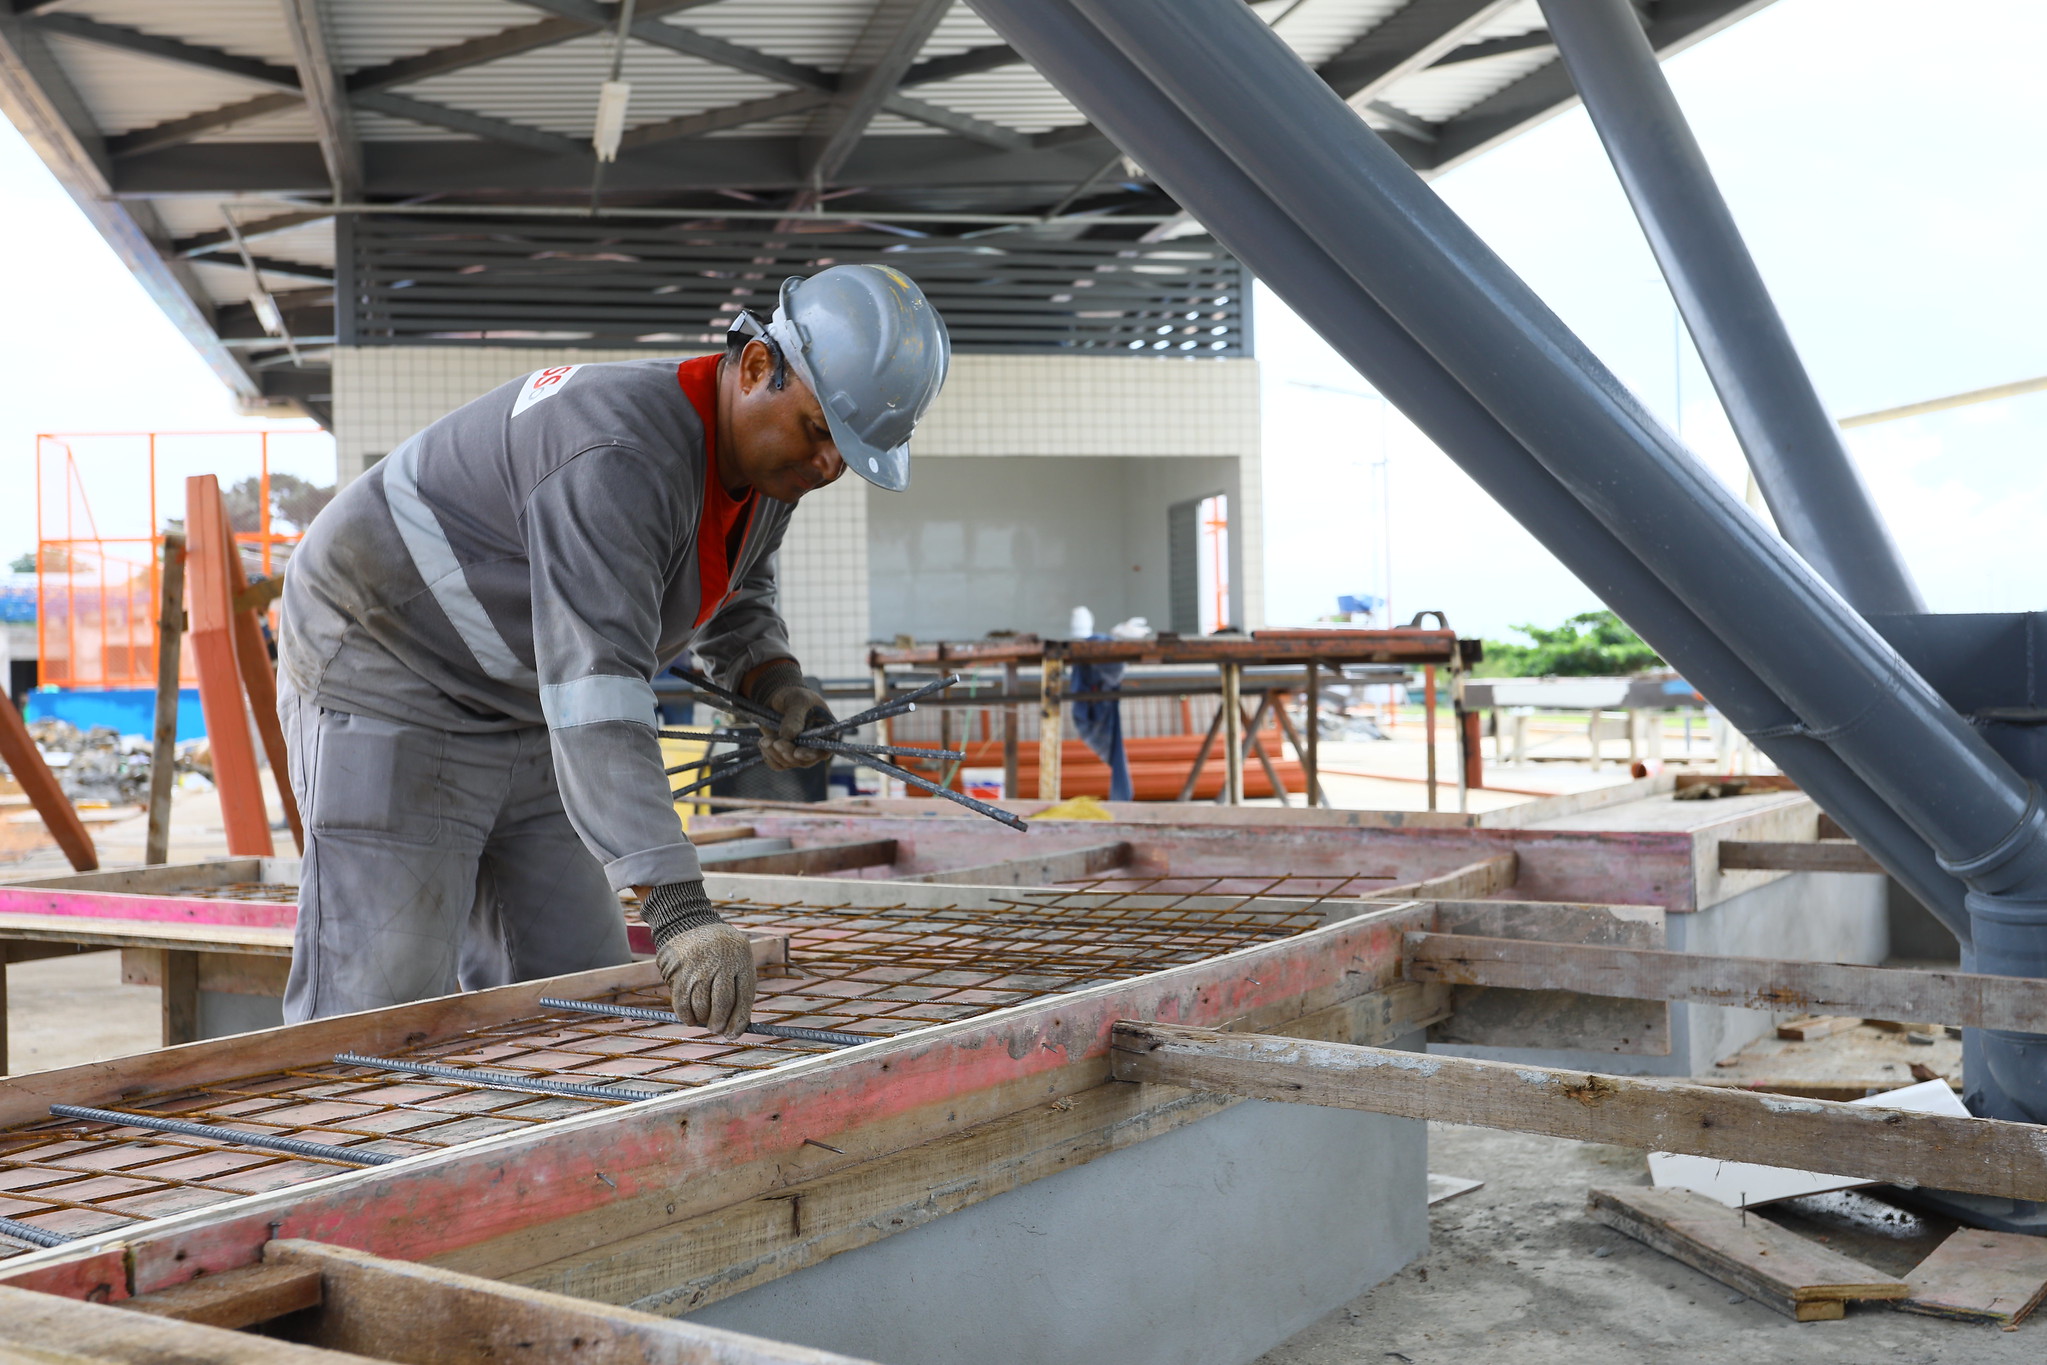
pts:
pixel 434 861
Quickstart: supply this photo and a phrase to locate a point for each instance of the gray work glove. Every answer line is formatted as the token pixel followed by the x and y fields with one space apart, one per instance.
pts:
pixel 780 688
pixel 707 963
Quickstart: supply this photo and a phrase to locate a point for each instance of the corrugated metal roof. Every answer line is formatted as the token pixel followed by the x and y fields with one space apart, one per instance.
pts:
pixel 814 32
pixel 126 91
pixel 1319 29
pixel 1013 96
pixel 555 88
pixel 246 28
pixel 1438 94
pixel 373 32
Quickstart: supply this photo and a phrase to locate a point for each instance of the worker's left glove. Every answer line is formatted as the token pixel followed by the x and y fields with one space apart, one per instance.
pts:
pixel 780 688
pixel 707 963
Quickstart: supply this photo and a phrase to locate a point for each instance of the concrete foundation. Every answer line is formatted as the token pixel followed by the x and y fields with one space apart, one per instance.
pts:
pixel 1802 916
pixel 1207 1246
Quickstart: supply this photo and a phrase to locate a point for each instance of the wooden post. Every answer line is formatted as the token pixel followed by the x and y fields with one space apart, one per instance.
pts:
pixel 1474 750
pixel 1276 702
pixel 1233 734
pixel 163 752
pixel 180 995
pixel 4 956
pixel 1313 786
pixel 259 679
pixel 25 761
pixel 1201 756
pixel 1051 684
pixel 1009 727
pixel 211 594
pixel 1311 754
pixel 1429 726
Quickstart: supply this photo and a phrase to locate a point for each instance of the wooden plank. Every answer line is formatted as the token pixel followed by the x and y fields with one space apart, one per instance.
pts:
pixel 704 838
pixel 816 860
pixel 221 973
pixel 1977 1276
pixel 1470 882
pixel 1493 1016
pixel 1821 855
pixel 672 1158
pixel 237 1298
pixel 1799 1279
pixel 209 548
pixel 1982 1156
pixel 375 1032
pixel 125 933
pixel 400 1311
pixel 53 1330
pixel 682 1268
pixel 1812 1027
pixel 1046 869
pixel 179 992
pixel 1051 683
pixel 170 638
pixel 1967 999
pixel 25 762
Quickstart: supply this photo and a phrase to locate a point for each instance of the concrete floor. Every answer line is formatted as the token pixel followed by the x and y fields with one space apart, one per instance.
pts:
pixel 66 1011
pixel 1517 1274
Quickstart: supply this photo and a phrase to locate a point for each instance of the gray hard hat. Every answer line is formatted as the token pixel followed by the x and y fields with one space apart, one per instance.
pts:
pixel 874 351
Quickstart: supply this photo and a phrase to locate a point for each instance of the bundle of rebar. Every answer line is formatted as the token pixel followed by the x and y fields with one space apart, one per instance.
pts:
pixel 825 738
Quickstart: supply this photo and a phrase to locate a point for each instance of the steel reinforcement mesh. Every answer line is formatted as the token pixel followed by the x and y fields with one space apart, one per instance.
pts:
pixel 877 972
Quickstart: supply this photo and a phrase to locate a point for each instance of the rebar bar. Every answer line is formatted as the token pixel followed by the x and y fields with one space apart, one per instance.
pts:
pixel 801 1035
pixel 295 1146
pixel 496 1080
pixel 34 1236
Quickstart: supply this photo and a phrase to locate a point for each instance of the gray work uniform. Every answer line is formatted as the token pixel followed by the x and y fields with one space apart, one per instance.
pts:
pixel 469 635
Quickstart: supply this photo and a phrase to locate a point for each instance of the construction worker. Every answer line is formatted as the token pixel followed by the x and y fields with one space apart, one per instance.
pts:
pixel 471 630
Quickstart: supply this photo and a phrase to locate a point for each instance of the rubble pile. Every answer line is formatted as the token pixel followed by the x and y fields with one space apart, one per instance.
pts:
pixel 103 765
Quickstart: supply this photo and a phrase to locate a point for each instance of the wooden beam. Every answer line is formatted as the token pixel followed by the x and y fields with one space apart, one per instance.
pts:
pixel 814 861
pixel 210 549
pixel 56 1330
pixel 259 682
pixel 179 992
pixel 1799 1278
pixel 398 1310
pixel 1822 855
pixel 239 1298
pixel 25 761
pixel 1473 881
pixel 1979 1156
pixel 1966 999
pixel 1044 869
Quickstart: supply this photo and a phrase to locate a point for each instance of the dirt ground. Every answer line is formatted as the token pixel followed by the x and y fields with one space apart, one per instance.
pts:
pixel 1518 1274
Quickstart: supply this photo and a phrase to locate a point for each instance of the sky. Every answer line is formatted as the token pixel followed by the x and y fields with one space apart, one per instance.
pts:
pixel 1881 158
pixel 1879 155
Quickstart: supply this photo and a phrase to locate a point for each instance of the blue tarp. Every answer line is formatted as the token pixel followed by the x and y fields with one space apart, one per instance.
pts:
pixel 130 710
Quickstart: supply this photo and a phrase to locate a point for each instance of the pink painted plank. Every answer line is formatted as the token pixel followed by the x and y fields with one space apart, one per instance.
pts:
pixel 33 900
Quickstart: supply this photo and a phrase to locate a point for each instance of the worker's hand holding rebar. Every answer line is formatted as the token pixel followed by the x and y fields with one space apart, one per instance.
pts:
pixel 707 963
pixel 780 688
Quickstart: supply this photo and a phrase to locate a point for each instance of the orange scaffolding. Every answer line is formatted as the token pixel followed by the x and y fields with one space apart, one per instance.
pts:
pixel 97 587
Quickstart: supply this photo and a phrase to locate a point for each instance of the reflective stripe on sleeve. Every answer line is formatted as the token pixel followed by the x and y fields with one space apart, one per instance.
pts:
pixel 599 697
pixel 435 559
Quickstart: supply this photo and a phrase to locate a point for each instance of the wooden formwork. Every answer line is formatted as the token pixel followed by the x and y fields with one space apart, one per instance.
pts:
pixel 1015 1034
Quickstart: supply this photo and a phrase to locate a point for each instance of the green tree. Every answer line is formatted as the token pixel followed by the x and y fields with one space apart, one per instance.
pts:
pixel 1590 644
pixel 293 501
pixel 24 563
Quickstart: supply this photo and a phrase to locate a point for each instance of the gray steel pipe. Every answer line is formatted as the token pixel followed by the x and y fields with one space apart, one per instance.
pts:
pixel 1290 133
pixel 1122 102
pixel 1811 484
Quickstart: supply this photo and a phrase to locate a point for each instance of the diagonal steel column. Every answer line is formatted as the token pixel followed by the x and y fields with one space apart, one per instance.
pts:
pixel 1152 129
pixel 1817 497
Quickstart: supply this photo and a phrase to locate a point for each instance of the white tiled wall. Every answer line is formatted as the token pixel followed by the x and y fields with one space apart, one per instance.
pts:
pixel 1094 406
